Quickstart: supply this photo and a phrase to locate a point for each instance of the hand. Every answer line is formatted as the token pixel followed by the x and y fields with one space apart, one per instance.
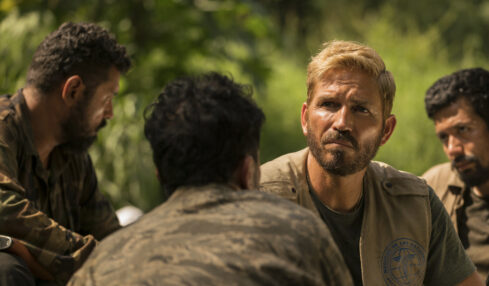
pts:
pixel 37 269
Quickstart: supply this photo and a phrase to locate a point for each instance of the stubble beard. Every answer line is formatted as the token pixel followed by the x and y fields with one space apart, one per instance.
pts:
pixel 338 164
pixel 76 130
pixel 474 177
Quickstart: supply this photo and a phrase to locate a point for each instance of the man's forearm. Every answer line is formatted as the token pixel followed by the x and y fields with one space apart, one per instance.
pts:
pixel 37 269
pixel 472 280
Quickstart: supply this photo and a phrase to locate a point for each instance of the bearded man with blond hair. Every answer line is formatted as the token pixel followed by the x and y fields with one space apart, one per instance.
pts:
pixel 389 225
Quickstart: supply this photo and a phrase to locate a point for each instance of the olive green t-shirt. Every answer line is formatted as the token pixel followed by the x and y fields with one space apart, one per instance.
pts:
pixel 345 229
pixel 447 262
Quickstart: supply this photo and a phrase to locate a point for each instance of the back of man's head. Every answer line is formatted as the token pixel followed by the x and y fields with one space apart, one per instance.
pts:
pixel 82 49
pixel 200 129
pixel 470 84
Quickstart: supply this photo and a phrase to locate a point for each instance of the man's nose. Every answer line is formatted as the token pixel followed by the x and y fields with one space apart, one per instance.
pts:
pixel 343 119
pixel 108 111
pixel 454 147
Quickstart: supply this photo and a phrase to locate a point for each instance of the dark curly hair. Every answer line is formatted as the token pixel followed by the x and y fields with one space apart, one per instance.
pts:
pixel 200 128
pixel 83 49
pixel 471 84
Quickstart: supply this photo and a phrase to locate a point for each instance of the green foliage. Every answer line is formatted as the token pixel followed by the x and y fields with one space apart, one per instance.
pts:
pixel 20 36
pixel 282 103
pixel 415 63
pixel 266 43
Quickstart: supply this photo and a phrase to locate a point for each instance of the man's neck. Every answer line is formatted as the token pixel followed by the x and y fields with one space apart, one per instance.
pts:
pixel 340 193
pixel 44 123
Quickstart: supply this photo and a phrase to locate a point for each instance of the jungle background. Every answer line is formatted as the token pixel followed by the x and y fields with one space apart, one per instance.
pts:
pixel 265 43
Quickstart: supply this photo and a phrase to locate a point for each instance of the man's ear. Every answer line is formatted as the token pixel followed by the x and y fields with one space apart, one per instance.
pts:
pixel 72 90
pixel 390 124
pixel 304 118
pixel 157 175
pixel 246 174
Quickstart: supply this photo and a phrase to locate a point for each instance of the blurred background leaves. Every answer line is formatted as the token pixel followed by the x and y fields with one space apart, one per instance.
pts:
pixel 265 43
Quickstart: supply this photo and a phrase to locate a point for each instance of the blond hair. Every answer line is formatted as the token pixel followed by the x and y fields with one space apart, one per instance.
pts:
pixel 352 55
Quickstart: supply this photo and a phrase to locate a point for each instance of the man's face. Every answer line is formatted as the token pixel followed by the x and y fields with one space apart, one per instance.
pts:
pixel 90 114
pixel 465 139
pixel 344 123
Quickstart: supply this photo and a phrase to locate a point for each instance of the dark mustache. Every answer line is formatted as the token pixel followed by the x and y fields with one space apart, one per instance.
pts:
pixel 463 158
pixel 102 124
pixel 339 135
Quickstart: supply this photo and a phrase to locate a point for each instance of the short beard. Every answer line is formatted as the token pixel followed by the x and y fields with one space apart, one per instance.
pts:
pixel 339 165
pixel 75 128
pixel 476 177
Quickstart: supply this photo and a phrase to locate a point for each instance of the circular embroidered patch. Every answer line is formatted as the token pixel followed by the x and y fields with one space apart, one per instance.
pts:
pixel 404 263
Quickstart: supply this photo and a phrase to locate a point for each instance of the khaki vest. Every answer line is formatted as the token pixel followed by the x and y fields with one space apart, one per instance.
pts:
pixel 396 227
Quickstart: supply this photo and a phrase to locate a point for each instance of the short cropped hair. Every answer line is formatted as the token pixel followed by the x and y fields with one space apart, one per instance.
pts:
pixel 200 128
pixel 83 49
pixel 352 55
pixel 470 84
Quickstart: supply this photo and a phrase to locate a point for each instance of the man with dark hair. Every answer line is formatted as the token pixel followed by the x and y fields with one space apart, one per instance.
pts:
pixel 51 211
pixel 459 106
pixel 388 224
pixel 213 230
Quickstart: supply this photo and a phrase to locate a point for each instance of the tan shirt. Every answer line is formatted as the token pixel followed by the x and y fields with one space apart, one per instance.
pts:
pixel 451 190
pixel 396 233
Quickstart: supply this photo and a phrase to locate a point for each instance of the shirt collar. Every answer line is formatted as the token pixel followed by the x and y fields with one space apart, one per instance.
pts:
pixel 454 183
pixel 58 159
pixel 24 120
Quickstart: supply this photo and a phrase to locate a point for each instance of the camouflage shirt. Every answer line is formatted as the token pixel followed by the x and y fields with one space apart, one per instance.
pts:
pixel 58 213
pixel 215 235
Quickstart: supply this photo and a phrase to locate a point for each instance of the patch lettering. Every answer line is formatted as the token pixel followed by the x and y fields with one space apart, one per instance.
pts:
pixel 404 263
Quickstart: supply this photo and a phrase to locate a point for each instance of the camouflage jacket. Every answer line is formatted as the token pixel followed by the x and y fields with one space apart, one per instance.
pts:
pixel 57 213
pixel 215 235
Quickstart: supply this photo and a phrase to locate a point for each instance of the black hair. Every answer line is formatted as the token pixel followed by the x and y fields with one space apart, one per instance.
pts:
pixel 84 49
pixel 200 128
pixel 471 84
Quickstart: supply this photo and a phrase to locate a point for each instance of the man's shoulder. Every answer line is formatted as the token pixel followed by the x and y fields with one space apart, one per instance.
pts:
pixel 279 204
pixel 387 171
pixel 215 198
pixel 279 167
pixel 231 227
pixel 11 126
pixel 285 175
pixel 397 182
pixel 441 176
pixel 6 106
pixel 440 172
pixel 250 213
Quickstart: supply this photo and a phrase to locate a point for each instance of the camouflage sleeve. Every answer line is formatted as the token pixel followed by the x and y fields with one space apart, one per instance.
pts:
pixel 97 215
pixel 58 249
